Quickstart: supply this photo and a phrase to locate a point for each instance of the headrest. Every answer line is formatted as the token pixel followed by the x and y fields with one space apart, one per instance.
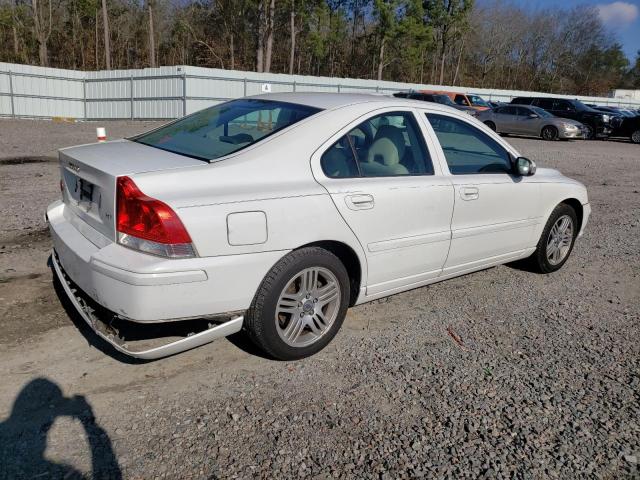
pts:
pixel 384 151
pixel 395 135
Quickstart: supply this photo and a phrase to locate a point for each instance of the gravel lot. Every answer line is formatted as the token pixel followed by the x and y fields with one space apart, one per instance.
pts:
pixel 498 374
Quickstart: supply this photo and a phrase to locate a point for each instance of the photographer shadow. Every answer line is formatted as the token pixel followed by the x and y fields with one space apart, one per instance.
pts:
pixel 23 435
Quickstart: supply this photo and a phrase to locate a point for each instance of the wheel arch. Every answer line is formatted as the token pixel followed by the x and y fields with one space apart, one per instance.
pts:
pixel 350 260
pixel 577 207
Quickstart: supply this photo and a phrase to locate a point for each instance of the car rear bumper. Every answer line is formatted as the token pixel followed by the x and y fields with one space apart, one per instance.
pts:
pixel 105 329
pixel 144 288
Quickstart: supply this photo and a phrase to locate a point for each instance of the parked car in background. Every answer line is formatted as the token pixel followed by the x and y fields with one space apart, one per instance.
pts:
pixel 440 98
pixel 278 227
pixel 473 101
pixel 629 127
pixel 598 123
pixel 616 116
pixel 532 121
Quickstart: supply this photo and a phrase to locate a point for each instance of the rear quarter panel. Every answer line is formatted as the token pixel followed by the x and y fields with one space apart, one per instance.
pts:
pixel 274 178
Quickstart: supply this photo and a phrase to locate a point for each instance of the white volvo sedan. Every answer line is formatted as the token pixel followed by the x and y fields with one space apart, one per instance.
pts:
pixel 276 213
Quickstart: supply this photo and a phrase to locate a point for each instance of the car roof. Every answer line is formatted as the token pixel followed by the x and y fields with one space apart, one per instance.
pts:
pixel 330 101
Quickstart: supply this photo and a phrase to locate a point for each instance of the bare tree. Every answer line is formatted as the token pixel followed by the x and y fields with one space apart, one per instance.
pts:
pixel 270 25
pixel 260 48
pixel 107 43
pixel 152 39
pixel 292 48
pixel 42 30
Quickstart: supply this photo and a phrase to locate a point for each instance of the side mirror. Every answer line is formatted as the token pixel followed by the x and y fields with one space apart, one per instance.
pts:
pixel 533 115
pixel 524 167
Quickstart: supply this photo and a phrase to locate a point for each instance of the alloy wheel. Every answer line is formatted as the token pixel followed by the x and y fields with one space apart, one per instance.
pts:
pixel 560 240
pixel 307 306
pixel 548 133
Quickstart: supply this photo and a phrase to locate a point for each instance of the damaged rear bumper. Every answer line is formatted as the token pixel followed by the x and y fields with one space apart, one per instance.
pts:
pixel 93 315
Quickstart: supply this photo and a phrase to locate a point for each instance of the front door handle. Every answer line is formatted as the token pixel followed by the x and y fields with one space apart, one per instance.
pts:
pixel 469 193
pixel 362 201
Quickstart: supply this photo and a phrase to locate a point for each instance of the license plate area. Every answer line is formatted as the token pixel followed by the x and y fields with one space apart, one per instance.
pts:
pixel 85 190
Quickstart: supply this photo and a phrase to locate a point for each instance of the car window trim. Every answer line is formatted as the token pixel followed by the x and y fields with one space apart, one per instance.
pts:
pixel 510 153
pixel 367 117
pixel 354 153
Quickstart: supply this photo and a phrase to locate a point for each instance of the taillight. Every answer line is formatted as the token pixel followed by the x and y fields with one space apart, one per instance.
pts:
pixel 149 225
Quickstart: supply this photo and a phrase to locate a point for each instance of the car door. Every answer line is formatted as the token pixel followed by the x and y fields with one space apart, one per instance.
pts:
pixel 494 212
pixel 529 122
pixel 564 109
pixel 381 178
pixel 508 121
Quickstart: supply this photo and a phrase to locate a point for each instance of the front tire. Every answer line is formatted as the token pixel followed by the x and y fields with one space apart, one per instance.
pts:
pixel 635 136
pixel 590 133
pixel 550 133
pixel 557 240
pixel 300 305
pixel 491 125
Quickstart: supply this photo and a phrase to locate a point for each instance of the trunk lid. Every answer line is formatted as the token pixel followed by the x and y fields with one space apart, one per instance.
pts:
pixel 89 174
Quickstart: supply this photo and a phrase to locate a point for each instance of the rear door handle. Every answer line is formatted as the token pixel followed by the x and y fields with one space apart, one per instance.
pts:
pixel 360 201
pixel 469 193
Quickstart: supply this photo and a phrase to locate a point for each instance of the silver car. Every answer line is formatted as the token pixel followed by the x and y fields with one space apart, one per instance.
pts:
pixel 533 121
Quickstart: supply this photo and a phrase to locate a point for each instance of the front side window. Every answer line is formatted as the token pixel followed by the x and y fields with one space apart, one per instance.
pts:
pixel 467 149
pixel 387 145
pixel 226 128
pixel 563 105
pixel 460 100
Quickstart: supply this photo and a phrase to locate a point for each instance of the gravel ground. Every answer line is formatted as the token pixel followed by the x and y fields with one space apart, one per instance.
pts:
pixel 498 374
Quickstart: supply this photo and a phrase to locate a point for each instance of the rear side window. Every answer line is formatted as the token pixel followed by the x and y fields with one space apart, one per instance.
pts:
pixel 386 145
pixel 226 128
pixel 467 149
pixel 545 103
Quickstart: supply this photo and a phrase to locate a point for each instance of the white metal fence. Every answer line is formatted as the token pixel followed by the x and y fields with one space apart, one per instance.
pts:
pixel 170 92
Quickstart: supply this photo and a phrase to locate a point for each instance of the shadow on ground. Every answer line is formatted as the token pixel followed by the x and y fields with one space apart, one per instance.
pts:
pixel 23 435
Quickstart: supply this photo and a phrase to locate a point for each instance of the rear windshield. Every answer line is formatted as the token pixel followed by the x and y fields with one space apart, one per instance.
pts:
pixel 226 128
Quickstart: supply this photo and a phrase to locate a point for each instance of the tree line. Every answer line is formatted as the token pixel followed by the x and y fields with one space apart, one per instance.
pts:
pixel 447 42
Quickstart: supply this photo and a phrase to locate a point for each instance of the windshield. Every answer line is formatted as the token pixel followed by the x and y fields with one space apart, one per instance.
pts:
pixel 225 128
pixel 542 113
pixel 477 101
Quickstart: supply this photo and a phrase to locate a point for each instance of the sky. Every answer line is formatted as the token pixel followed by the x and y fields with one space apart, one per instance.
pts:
pixel 621 17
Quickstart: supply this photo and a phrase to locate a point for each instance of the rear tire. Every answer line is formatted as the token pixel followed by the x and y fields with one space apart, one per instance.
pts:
pixel 491 125
pixel 300 305
pixel 550 133
pixel 635 137
pixel 557 240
